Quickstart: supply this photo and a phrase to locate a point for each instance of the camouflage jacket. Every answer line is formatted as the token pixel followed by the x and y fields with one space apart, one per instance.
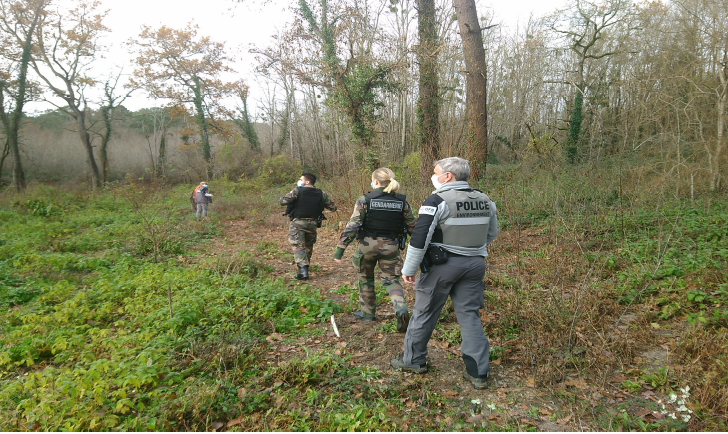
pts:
pixel 357 220
pixel 292 196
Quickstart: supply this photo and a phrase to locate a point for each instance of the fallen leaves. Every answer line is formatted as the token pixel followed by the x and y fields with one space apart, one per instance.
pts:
pixel 274 337
pixel 578 383
pixel 564 420
pixel 544 412
pixel 495 417
pixel 474 418
pixel 529 422
pixel 234 422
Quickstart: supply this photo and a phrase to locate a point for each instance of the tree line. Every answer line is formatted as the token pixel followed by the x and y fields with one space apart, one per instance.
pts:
pixel 366 83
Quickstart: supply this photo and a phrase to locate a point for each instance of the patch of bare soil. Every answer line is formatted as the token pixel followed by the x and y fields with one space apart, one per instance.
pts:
pixel 369 344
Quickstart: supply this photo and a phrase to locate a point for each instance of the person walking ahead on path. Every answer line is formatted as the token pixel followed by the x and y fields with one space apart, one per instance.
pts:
pixel 381 221
pixel 306 205
pixel 455 226
pixel 202 198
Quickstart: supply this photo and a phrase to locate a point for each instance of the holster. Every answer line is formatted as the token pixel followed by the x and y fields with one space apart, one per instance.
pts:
pixel 438 255
pixel 434 255
pixel 426 263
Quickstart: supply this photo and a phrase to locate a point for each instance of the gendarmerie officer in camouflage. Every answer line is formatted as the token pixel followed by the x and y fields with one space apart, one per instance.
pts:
pixel 305 206
pixel 381 221
pixel 454 228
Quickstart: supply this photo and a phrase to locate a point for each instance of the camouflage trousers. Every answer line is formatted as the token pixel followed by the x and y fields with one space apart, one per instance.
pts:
pixel 302 236
pixel 385 252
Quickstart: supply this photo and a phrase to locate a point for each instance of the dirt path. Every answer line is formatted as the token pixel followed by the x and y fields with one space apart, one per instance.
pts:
pixel 513 394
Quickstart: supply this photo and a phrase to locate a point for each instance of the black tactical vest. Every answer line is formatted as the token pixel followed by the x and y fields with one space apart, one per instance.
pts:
pixel 385 215
pixel 309 204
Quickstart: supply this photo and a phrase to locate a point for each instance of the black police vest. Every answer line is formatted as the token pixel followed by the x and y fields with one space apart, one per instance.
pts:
pixel 385 215
pixel 309 204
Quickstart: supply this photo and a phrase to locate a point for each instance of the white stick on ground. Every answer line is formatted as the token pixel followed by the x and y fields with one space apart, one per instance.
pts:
pixel 336 330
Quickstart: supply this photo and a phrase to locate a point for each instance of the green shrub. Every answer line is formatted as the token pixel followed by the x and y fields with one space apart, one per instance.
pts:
pixel 279 170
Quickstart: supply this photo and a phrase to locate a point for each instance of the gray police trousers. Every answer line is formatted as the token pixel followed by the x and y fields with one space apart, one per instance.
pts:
pixel 461 278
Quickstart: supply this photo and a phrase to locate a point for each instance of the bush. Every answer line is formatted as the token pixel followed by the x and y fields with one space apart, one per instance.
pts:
pixel 236 160
pixel 279 170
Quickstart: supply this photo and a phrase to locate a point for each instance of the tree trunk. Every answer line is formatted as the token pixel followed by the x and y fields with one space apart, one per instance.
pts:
pixel 86 141
pixel 162 158
pixel 106 114
pixel 428 104
pixel 6 126
pixel 476 82
pixel 249 128
pixel 16 116
pixel 202 126
pixel 577 115
pixel 715 177
pixel 3 156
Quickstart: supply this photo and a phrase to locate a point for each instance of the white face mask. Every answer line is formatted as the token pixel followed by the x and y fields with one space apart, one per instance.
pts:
pixel 299 183
pixel 435 181
pixel 374 186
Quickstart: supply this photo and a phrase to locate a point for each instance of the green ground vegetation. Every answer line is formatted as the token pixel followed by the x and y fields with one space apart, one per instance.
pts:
pixel 115 319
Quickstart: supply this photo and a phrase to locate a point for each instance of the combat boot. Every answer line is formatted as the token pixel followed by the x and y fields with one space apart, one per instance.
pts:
pixel 480 382
pixel 403 319
pixel 400 365
pixel 364 317
pixel 302 272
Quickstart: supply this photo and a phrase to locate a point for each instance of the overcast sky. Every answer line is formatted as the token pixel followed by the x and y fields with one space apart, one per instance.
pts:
pixel 238 26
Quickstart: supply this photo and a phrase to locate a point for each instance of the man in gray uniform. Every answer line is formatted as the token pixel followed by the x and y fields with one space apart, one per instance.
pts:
pixel 456 223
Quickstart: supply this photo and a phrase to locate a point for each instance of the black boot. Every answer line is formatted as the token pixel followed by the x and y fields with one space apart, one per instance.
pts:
pixel 302 272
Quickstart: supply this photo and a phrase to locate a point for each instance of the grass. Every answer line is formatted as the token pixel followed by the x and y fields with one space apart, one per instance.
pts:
pixel 115 319
pixel 118 333
pixel 660 259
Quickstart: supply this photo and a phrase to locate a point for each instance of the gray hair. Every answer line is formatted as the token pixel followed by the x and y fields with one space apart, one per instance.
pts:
pixel 459 167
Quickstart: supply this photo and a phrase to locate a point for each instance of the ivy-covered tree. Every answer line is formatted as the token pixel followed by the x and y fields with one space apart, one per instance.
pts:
pixel 243 119
pixel 585 26
pixel 428 103
pixel 18 24
pixel 351 79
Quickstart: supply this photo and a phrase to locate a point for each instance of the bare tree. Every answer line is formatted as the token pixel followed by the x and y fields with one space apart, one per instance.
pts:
pixel 68 42
pixel 353 81
pixel 710 22
pixel 584 25
pixel 154 124
pixel 111 102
